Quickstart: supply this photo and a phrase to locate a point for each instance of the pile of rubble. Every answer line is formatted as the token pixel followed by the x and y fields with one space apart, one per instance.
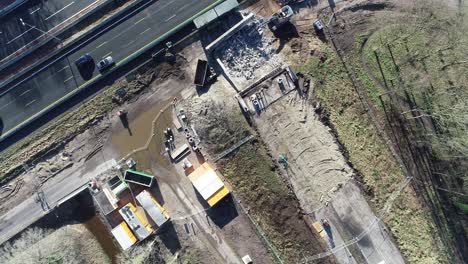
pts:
pixel 249 50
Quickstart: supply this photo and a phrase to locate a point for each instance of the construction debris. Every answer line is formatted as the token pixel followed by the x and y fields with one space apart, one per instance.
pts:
pixel 249 51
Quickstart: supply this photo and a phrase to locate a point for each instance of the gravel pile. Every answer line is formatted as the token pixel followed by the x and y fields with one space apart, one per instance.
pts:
pixel 249 50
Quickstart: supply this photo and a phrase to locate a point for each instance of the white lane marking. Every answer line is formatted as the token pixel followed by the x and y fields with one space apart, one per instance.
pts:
pixel 60 10
pixel 171 17
pixel 19 35
pixel 63 68
pixel 69 78
pixel 128 44
pixel 164 6
pixel 35 11
pixel 25 92
pixel 140 20
pixel 184 6
pixel 5 105
pixel 145 31
pixel 30 103
pixel 100 45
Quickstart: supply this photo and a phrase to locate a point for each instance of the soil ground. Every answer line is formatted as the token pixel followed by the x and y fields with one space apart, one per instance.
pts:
pixel 378 169
pixel 317 168
pixel 251 170
pixel 222 233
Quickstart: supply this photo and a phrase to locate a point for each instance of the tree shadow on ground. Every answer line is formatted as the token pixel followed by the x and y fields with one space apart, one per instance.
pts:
pixel 285 33
pixel 169 237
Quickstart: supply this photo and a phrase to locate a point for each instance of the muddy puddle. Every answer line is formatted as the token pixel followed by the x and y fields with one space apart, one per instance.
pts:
pixel 103 236
pixel 140 130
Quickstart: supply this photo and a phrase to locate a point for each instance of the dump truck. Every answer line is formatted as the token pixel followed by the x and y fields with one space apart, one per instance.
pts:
pixel 208 184
pixel 204 74
pixel 139 178
pixel 155 211
pixel 140 227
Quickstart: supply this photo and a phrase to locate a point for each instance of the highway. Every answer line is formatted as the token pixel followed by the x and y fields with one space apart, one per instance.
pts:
pixel 23 102
pixel 44 15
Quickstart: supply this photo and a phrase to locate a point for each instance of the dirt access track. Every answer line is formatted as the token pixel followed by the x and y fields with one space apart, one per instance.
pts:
pixel 323 181
pixel 318 171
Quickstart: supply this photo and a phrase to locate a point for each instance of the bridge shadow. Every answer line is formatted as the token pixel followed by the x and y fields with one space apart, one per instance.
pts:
pixel 169 237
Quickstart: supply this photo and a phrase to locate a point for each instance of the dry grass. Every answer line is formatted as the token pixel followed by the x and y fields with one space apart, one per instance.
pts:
pixel 380 174
pixel 69 244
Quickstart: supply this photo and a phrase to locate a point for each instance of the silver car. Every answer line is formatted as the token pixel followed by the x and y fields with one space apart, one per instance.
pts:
pixel 105 64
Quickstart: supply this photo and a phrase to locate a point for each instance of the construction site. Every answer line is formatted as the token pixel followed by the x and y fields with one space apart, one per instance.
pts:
pixel 243 141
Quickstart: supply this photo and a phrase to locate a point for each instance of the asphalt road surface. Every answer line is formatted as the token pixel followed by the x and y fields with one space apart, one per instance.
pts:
pixel 350 212
pixel 43 15
pixel 55 190
pixel 32 96
pixel 6 3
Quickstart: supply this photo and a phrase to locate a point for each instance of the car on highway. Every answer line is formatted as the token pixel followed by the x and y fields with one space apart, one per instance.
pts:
pixel 105 64
pixel 85 65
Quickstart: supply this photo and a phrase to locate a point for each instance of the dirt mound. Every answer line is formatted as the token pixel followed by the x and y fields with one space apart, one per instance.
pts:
pixel 369 6
pixel 316 166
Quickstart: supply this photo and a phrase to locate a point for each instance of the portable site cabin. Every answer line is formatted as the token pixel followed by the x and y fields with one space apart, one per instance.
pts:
pixel 124 236
pixel 135 221
pixel 208 184
pixel 116 185
pixel 155 211
pixel 138 177
pixel 106 200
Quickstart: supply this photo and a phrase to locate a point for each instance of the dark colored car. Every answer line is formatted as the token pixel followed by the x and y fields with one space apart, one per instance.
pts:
pixel 85 65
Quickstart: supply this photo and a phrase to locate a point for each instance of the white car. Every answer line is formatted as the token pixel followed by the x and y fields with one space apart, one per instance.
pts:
pixel 105 63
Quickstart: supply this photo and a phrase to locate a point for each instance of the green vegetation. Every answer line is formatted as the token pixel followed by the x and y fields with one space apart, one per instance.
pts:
pixel 422 69
pixel 429 62
pixel 411 68
pixel 380 173
pixel 254 178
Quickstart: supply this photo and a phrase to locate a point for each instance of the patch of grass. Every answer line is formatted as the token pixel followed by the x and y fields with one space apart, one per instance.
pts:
pixel 371 157
pixel 424 66
pixel 254 178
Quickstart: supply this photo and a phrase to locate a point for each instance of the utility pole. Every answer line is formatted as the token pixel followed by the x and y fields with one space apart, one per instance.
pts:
pixel 59 39
pixel 40 195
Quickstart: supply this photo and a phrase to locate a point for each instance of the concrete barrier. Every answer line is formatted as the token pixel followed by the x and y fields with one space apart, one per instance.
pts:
pixel 229 33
